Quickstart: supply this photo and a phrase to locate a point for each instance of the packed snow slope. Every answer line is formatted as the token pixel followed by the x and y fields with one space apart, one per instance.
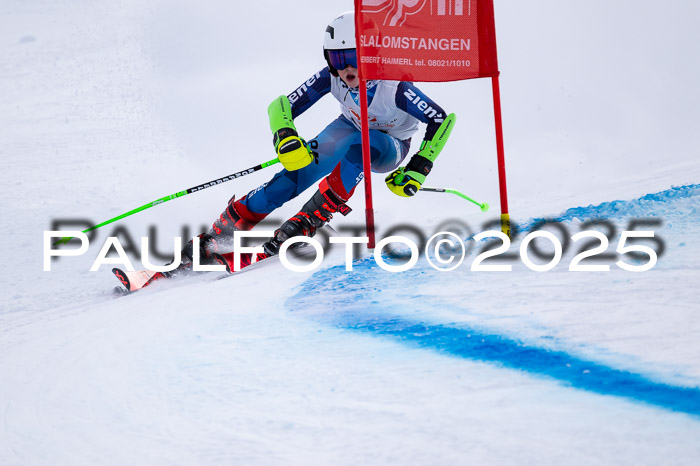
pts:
pixel 105 106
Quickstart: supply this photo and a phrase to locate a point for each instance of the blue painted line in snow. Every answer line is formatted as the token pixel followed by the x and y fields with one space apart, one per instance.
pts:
pixel 650 205
pixel 572 371
pixel 354 304
pixel 352 298
pixel 356 310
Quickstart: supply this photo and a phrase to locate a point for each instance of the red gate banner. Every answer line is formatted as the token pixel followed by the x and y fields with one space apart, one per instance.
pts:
pixel 426 40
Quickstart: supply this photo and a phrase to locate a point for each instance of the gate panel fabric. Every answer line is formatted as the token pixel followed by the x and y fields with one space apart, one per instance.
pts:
pixel 426 40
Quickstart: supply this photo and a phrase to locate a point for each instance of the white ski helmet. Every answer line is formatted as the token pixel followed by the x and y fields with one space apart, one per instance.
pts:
pixel 340 36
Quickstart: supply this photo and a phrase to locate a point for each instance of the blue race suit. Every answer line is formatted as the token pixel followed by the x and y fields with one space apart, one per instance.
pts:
pixel 338 148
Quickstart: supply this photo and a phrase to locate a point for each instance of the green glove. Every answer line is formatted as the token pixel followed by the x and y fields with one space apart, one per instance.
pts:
pixel 405 182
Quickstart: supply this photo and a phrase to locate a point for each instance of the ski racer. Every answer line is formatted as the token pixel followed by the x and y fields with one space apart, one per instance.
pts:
pixel 335 155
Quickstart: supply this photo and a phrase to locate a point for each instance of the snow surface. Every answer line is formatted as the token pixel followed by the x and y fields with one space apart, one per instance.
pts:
pixel 105 106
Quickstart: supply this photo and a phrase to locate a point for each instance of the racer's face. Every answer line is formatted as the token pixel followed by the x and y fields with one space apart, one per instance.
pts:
pixel 349 76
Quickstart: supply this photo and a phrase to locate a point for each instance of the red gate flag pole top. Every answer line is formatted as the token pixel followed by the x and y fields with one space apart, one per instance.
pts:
pixel 430 40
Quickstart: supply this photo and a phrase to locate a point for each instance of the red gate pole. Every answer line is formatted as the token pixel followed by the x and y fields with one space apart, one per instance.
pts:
pixel 505 216
pixel 366 163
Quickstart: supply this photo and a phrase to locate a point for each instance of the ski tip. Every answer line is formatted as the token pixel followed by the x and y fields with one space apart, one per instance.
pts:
pixel 122 277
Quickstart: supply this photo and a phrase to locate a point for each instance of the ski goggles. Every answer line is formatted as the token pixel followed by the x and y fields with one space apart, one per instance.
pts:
pixel 341 59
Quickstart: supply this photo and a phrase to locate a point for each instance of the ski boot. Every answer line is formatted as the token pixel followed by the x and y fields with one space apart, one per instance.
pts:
pixel 220 236
pixel 313 215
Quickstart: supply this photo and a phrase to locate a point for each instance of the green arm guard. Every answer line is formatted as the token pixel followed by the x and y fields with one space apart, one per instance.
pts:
pixel 280 113
pixel 431 149
pixel 421 163
pixel 292 151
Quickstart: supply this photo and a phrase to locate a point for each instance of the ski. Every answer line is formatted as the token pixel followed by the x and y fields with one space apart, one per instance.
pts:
pixel 140 279
pixel 137 280
pixel 246 260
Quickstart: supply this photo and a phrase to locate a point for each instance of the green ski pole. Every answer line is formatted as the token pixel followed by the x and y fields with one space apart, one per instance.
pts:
pixel 484 207
pixel 194 189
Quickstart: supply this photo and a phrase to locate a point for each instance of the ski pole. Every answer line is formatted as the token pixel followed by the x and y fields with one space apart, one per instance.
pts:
pixel 194 189
pixel 484 207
